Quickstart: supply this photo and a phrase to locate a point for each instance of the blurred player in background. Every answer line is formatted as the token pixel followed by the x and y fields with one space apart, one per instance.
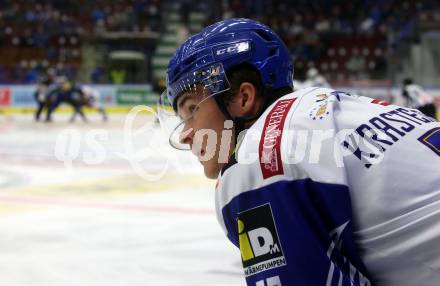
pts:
pixel 41 94
pixel 90 97
pixel 64 91
pixel 315 79
pixel 417 97
pixel 359 209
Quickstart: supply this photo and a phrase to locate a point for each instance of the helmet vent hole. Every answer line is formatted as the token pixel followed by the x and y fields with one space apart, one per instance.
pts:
pixel 273 52
pixel 190 60
pixel 265 36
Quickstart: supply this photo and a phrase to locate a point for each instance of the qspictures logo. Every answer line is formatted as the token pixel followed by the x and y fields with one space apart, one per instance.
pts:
pixel 260 246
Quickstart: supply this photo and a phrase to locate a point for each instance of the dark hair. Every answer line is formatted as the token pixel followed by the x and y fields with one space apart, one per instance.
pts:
pixel 247 73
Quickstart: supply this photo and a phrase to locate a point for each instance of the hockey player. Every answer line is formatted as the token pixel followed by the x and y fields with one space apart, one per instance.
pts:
pixel 315 79
pixel 90 97
pixel 41 93
pixel 416 97
pixel 315 187
pixel 67 92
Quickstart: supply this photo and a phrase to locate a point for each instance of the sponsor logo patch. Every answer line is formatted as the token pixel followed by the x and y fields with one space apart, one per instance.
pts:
pixel 269 149
pixel 259 242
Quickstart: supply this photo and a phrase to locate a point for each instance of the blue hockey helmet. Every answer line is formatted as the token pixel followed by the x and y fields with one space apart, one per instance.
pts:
pixel 204 60
pixel 207 57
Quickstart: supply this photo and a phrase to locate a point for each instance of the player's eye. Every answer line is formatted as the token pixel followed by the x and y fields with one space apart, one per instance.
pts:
pixel 192 108
pixel 187 112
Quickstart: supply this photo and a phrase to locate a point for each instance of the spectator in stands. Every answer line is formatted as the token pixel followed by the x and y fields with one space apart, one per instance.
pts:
pixel 97 75
pixel 310 28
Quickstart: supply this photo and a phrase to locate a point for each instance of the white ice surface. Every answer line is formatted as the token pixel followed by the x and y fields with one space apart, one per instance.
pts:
pixel 103 224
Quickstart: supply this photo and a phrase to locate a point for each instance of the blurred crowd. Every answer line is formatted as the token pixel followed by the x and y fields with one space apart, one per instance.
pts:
pixel 37 34
pixel 342 39
pixel 134 16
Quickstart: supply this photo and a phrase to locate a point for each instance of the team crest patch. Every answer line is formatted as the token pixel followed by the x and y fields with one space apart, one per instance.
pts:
pixel 260 245
pixel 431 139
pixel 320 109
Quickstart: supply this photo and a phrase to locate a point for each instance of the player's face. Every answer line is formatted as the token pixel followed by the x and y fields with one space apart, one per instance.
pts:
pixel 202 130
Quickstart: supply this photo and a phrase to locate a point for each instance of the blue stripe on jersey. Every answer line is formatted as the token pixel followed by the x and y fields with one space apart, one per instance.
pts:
pixel 298 230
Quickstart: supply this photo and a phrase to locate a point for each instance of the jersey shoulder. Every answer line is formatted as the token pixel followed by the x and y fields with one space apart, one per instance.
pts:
pixel 260 158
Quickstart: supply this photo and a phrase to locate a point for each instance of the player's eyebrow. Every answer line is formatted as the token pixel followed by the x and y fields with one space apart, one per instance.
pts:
pixel 183 100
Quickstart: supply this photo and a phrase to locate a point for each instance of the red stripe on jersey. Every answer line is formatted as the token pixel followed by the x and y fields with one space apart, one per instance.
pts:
pixel 377 101
pixel 270 142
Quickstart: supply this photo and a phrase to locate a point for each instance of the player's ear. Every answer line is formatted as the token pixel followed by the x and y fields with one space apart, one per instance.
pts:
pixel 245 102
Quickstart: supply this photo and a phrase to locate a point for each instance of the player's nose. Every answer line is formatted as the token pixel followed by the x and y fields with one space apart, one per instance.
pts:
pixel 187 135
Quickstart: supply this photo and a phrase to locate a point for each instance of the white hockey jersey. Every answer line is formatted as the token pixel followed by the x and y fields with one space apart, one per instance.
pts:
pixel 328 188
pixel 92 96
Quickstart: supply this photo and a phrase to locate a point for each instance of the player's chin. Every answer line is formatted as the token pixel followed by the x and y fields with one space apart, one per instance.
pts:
pixel 211 169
